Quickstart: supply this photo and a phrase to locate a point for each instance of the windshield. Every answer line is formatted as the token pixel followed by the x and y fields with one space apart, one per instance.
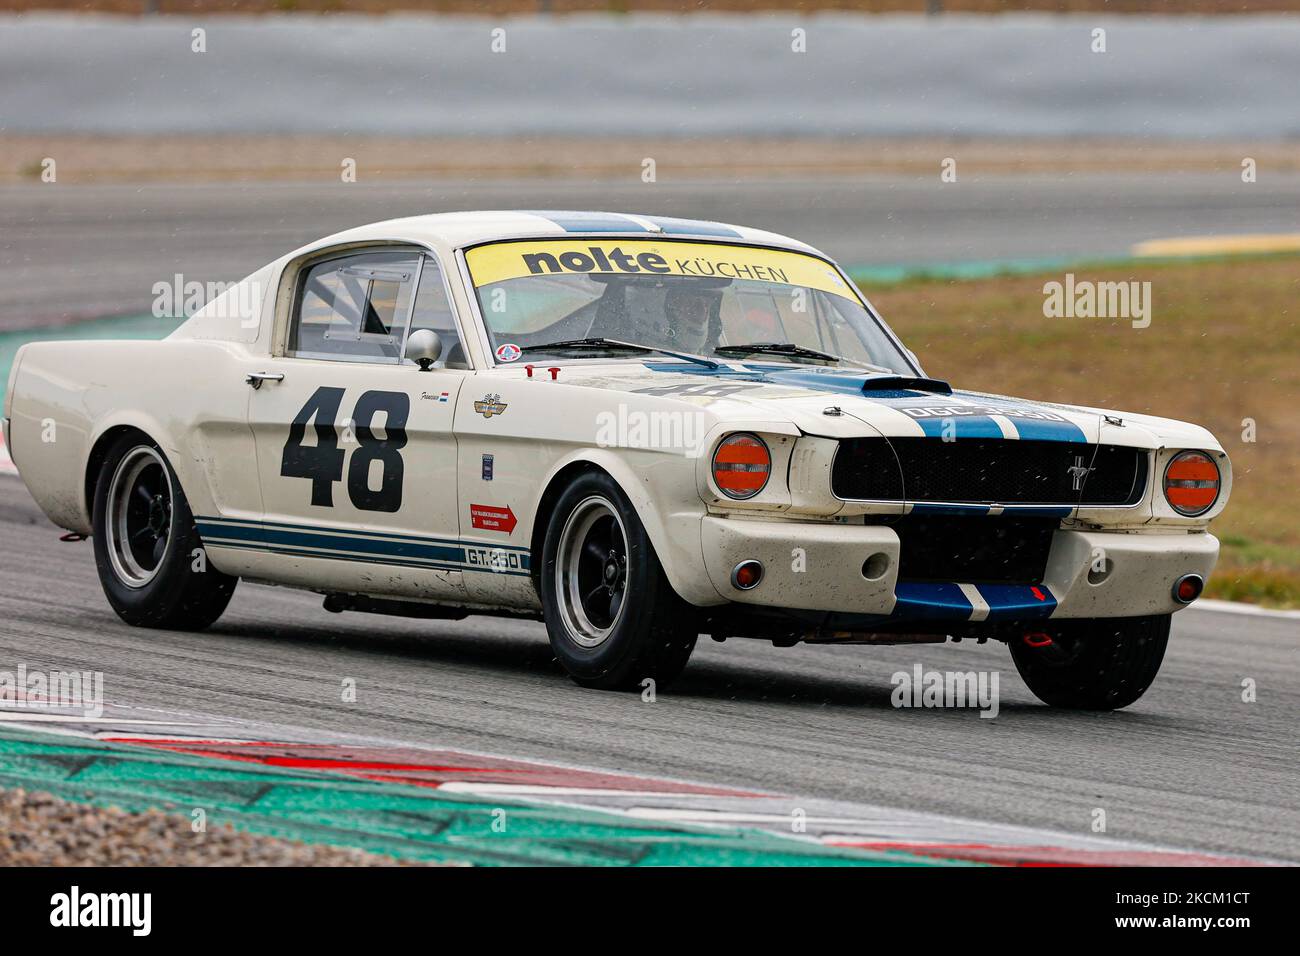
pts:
pixel 689 297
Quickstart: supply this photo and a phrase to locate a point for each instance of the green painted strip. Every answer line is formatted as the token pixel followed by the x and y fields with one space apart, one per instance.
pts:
pixel 879 275
pixel 402 821
pixel 120 327
pixel 954 271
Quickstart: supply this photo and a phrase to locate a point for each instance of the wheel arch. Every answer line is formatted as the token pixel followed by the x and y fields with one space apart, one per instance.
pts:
pixel 674 529
pixel 108 433
pixel 98 453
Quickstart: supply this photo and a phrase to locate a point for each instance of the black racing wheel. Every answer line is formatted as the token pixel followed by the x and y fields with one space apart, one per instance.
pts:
pixel 146 546
pixel 1100 664
pixel 613 618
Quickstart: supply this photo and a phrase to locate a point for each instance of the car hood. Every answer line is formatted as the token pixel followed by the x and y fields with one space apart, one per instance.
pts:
pixel 839 403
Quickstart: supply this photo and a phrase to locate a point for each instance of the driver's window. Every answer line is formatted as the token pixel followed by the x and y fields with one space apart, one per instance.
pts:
pixel 354 307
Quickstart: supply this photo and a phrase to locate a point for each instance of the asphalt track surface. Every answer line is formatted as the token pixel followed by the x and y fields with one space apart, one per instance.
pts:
pixel 1190 765
pixel 69 251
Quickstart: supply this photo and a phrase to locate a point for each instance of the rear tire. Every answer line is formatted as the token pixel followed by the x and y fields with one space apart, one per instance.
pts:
pixel 1099 664
pixel 613 618
pixel 145 543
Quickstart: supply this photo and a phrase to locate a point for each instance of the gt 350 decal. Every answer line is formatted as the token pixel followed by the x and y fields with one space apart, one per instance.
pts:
pixel 955 411
pixel 494 559
pixel 323 463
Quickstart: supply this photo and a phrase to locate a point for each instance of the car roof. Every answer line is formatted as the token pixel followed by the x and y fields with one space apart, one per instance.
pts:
pixel 459 229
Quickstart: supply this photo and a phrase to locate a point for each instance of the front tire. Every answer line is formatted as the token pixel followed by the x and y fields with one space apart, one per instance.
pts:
pixel 146 545
pixel 1100 664
pixel 613 618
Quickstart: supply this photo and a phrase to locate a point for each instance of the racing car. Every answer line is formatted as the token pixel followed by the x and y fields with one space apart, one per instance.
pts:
pixel 638 429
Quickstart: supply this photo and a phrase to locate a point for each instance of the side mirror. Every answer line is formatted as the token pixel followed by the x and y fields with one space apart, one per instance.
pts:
pixel 424 347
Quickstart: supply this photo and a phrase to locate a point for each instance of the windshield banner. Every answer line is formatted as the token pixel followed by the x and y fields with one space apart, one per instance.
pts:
pixel 501 261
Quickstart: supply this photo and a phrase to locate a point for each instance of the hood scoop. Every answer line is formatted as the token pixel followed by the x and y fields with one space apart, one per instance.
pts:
pixel 849 382
pixel 889 383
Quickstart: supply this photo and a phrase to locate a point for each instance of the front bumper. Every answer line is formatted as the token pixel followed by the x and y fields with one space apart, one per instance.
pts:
pixel 853 569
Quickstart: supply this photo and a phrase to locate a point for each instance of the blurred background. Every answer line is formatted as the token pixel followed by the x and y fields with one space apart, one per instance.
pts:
pixel 954 155
pixel 659 6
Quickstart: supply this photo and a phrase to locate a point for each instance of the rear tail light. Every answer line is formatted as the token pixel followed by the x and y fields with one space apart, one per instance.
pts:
pixel 1192 483
pixel 741 465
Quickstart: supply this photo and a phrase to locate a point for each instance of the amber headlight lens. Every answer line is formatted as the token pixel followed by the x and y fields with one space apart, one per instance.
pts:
pixel 1192 483
pixel 741 465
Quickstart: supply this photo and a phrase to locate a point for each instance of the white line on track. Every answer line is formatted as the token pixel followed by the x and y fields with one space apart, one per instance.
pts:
pixel 1238 607
pixel 10 716
pixel 524 790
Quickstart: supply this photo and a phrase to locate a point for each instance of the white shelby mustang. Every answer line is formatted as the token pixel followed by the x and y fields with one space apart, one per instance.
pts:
pixel 413 425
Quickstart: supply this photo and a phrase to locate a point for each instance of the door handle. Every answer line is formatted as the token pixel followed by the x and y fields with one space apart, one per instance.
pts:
pixel 256 379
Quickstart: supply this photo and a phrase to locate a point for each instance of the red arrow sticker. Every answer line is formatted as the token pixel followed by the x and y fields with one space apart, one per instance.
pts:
pixel 492 518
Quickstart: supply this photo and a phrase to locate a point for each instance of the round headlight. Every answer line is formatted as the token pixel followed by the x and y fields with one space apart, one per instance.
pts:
pixel 741 465
pixel 1191 483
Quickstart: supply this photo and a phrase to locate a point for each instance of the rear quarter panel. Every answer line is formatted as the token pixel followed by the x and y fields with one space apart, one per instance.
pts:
pixel 187 395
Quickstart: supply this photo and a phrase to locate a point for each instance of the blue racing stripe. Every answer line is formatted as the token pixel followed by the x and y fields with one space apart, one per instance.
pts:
pixel 342 556
pixel 692 227
pixel 921 507
pixel 319 543
pixel 931 601
pixel 1041 511
pixel 1017 601
pixel 1030 427
pixel 833 381
pixel 590 221
pixel 960 426
pixel 339 542
pixel 386 535
pixel 332 542
pixel 928 410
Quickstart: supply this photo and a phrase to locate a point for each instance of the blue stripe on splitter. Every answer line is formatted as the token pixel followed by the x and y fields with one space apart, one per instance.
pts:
pixel 1017 601
pixel 932 601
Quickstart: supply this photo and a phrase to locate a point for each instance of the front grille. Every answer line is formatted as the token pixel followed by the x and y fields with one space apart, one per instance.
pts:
pixel 987 471
pixel 1000 549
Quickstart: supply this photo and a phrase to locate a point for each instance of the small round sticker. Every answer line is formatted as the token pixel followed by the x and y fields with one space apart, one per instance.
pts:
pixel 509 352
